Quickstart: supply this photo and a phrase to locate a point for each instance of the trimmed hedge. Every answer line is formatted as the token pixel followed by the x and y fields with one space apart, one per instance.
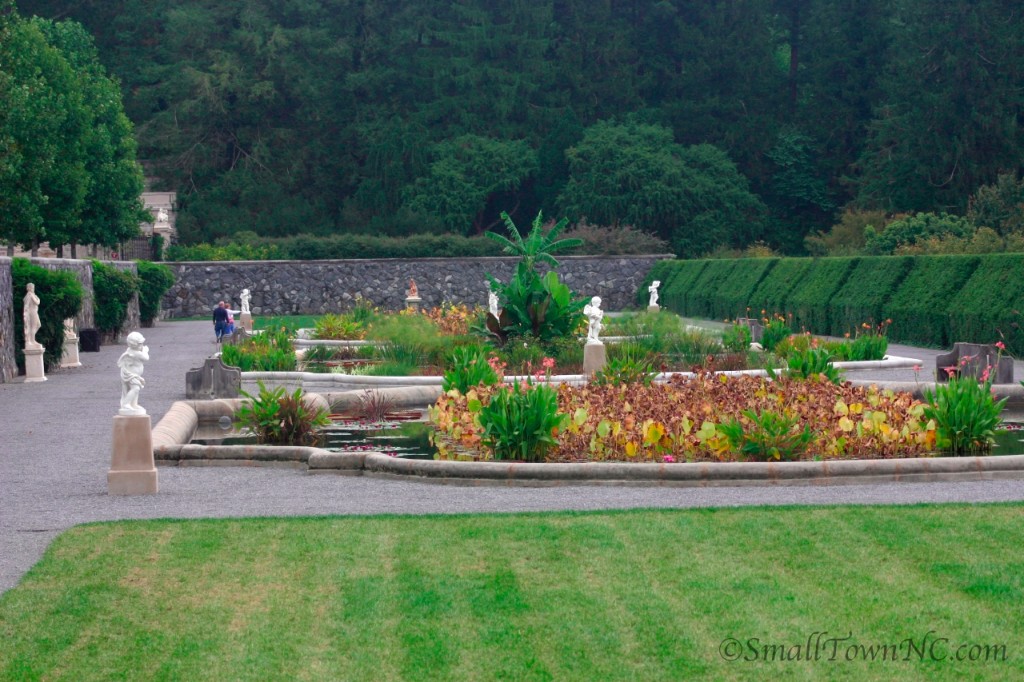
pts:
pixel 700 301
pixel 810 298
pixel 734 294
pixel 679 283
pixel 154 281
pixel 920 306
pixel 988 307
pixel 113 290
pixel 773 291
pixel 868 288
pixel 60 297
pixel 932 300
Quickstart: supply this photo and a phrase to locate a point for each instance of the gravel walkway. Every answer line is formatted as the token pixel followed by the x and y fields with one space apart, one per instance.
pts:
pixel 55 453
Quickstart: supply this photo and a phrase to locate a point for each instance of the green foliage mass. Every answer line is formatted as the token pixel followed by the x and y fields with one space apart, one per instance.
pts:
pixel 113 290
pixel 693 197
pixel 154 281
pixel 60 297
pixel 864 296
pixel 913 229
pixel 68 172
pixel 772 293
pixel 919 307
pixel 705 288
pixel 810 298
pixel 987 307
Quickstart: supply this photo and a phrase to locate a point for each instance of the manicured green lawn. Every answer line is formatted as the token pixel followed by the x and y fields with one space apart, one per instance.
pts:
pixel 648 595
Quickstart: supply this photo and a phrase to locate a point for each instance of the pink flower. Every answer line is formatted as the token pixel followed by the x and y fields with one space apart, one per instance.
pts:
pixel 917 368
pixel 984 375
pixel 950 371
pixel 1000 345
pixel 669 459
pixel 548 363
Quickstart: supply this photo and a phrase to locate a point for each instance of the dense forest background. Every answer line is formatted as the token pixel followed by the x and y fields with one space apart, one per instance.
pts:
pixel 708 122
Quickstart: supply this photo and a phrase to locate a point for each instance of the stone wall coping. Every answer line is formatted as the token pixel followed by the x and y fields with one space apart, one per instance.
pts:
pixel 428 259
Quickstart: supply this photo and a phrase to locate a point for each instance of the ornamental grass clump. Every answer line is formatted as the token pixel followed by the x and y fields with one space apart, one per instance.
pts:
pixel 281 418
pixel 767 435
pixel 270 351
pixel 965 413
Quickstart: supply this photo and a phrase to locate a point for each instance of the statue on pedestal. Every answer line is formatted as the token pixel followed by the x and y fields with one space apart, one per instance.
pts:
pixel 31 317
pixel 594 314
pixel 132 382
pixel 492 302
pixel 654 293
pixel 414 292
pixel 161 216
pixel 246 297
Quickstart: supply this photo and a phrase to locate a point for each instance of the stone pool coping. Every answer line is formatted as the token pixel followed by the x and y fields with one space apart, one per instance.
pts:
pixel 172 434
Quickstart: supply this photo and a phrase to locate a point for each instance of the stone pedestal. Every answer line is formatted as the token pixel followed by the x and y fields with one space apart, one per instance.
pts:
pixel 34 365
pixel 245 322
pixel 594 358
pixel 412 302
pixel 653 308
pixel 70 355
pixel 132 470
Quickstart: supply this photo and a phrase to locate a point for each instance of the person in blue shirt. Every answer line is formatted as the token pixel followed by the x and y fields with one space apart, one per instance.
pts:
pixel 220 320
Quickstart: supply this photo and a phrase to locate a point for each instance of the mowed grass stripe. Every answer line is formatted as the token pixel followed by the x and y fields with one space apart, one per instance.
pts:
pixel 604 595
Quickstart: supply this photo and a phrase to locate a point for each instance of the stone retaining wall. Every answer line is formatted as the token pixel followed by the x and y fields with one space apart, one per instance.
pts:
pixel 8 367
pixel 316 287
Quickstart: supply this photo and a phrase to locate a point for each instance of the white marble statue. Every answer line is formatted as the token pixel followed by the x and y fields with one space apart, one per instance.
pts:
pixel 161 216
pixel 492 302
pixel 31 317
pixel 246 297
pixel 69 328
pixel 132 382
pixel 594 313
pixel 654 293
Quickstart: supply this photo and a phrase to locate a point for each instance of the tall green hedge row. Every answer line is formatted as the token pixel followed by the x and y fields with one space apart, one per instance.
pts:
pixel 708 286
pixel 920 307
pixel 932 300
pixel 861 299
pixel 809 301
pixel 989 307
pixel 771 294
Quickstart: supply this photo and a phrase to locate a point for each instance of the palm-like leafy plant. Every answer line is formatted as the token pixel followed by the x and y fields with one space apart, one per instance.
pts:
pixel 538 245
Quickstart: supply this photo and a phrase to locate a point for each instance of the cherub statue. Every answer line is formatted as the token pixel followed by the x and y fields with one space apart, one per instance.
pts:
pixel 413 291
pixel 132 382
pixel 594 314
pixel 245 297
pixel 162 216
pixel 492 302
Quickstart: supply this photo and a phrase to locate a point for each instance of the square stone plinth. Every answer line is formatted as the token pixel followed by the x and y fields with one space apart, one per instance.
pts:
pixel 132 469
pixel 593 358
pixel 245 322
pixel 34 365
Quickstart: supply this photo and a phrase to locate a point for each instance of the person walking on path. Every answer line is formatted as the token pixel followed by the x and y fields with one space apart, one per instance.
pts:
pixel 220 320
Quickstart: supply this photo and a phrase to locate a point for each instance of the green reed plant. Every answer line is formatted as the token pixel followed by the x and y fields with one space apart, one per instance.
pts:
pixel 767 436
pixel 736 338
pixel 269 351
pixel 522 422
pixel 281 418
pixel 628 363
pixel 812 362
pixel 966 415
pixel 338 327
pixel 775 330
pixel 468 366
